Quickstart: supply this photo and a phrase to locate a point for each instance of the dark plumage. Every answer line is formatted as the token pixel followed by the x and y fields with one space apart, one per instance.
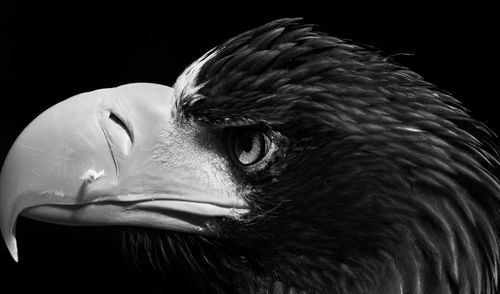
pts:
pixel 381 182
pixel 364 179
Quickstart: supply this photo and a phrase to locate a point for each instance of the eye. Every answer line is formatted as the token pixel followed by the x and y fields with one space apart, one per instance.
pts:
pixel 249 146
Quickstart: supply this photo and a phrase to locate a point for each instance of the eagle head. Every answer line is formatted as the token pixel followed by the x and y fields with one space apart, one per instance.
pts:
pixel 282 160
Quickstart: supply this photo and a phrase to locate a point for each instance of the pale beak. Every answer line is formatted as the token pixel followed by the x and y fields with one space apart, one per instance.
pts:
pixel 90 160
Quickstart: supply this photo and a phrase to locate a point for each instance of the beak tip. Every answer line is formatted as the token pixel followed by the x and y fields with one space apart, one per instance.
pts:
pixel 12 246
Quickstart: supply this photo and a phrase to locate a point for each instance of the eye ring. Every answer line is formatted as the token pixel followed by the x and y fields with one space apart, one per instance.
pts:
pixel 249 146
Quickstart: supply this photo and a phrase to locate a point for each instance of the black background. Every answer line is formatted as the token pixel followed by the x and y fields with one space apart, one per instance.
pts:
pixel 49 52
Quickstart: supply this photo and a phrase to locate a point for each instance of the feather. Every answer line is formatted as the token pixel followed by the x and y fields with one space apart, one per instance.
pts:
pixel 380 178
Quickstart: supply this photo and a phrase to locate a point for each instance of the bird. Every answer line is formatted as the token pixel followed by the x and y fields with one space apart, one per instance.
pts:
pixel 284 160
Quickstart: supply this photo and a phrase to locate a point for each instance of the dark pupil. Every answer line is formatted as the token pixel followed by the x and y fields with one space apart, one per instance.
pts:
pixel 246 142
pixel 248 147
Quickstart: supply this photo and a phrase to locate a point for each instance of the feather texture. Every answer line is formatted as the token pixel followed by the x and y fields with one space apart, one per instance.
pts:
pixel 382 183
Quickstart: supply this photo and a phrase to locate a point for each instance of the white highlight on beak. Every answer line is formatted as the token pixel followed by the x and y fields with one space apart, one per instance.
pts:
pixel 57 193
pixel 91 175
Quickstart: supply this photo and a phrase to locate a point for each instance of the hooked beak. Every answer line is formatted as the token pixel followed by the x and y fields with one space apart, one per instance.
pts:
pixel 90 160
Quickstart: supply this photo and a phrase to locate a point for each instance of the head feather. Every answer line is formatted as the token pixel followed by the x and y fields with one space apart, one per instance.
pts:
pixel 380 173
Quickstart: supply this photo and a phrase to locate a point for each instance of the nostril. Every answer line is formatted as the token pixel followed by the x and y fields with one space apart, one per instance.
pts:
pixel 120 123
pixel 120 133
